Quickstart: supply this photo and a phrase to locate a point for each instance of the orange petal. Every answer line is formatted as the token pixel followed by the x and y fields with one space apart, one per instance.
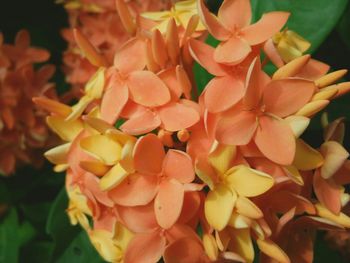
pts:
pixel 178 165
pixel 285 97
pixel 204 55
pixel 254 85
pixel 139 219
pixel 222 93
pixel 159 48
pixel 125 16
pixel 135 190
pixel 313 70
pixel 168 203
pixel 232 52
pixel 142 123
pixel 94 57
pixel 172 42
pixel 113 102
pixel 275 139
pixel 145 248
pixel 237 130
pixel 185 250
pixel 53 106
pixel 266 27
pixel 148 89
pixel 212 23
pixel 131 56
pixel 177 116
pixel 235 14
pixel 149 155
pixel 328 193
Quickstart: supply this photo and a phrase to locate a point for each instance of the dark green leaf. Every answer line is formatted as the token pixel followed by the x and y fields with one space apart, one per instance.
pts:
pixel 344 26
pixel 312 19
pixel 58 225
pixel 9 239
pixel 26 232
pixel 37 252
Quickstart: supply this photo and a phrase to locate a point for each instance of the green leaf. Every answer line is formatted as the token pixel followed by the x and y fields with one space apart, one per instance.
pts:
pixel 80 250
pixel 9 240
pixel 39 251
pixel 58 225
pixel 344 25
pixel 312 19
pixel 26 232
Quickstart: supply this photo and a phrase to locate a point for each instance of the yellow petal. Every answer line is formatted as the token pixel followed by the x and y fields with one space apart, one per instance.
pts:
pixel 66 130
pixel 122 236
pixel 341 219
pixel 95 85
pixel 126 160
pixel 96 167
pixel 222 239
pixel 221 157
pixel 99 125
pixel 248 182
pixel 335 155
pixel 306 158
pixel 330 78
pixel 294 174
pixel 218 206
pixel 301 43
pixel 210 247
pixel 205 171
pixel 59 168
pixel 292 68
pixel 241 243
pixel 298 124
pixel 325 94
pixel 272 250
pixel 113 178
pixel 79 108
pixel 238 221
pixel 247 208
pixel 58 155
pixel 103 148
pixel 119 136
pixel 103 242
pixel 312 108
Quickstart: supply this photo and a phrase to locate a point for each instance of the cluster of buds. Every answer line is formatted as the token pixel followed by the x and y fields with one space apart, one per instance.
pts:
pixel 23 131
pixel 155 171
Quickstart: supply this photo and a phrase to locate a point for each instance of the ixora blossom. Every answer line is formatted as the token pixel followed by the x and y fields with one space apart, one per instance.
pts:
pixel 155 170
pixel 23 133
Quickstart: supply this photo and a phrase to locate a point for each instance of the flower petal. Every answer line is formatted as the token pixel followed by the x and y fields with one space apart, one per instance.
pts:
pixel 102 147
pixel 235 14
pixel 168 203
pixel 204 55
pixel 185 250
pixel 272 250
pixel 232 51
pixel 265 28
pixel 177 116
pixel 142 123
pixel 328 193
pixel 237 130
pixel 287 96
pixel 242 244
pixel 335 155
pixel 149 155
pixel 148 89
pixel 248 182
pixel 222 93
pixel 219 205
pixel 145 248
pixel 306 158
pixel 212 23
pixel 254 85
pixel 131 56
pixel 135 190
pixel 178 165
pixel 247 208
pixel 275 139
pixel 113 102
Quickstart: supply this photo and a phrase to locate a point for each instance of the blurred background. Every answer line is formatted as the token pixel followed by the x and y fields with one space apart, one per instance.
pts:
pixel 32 203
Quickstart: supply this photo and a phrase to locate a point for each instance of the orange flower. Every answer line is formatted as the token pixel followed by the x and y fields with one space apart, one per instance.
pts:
pixel 232 27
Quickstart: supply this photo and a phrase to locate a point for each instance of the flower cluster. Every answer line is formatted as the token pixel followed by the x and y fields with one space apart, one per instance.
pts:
pixel 103 25
pixel 23 131
pixel 155 171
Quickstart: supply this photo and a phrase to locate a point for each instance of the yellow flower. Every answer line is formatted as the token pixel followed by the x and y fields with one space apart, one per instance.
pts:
pixel 290 45
pixel 230 187
pixel 181 12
